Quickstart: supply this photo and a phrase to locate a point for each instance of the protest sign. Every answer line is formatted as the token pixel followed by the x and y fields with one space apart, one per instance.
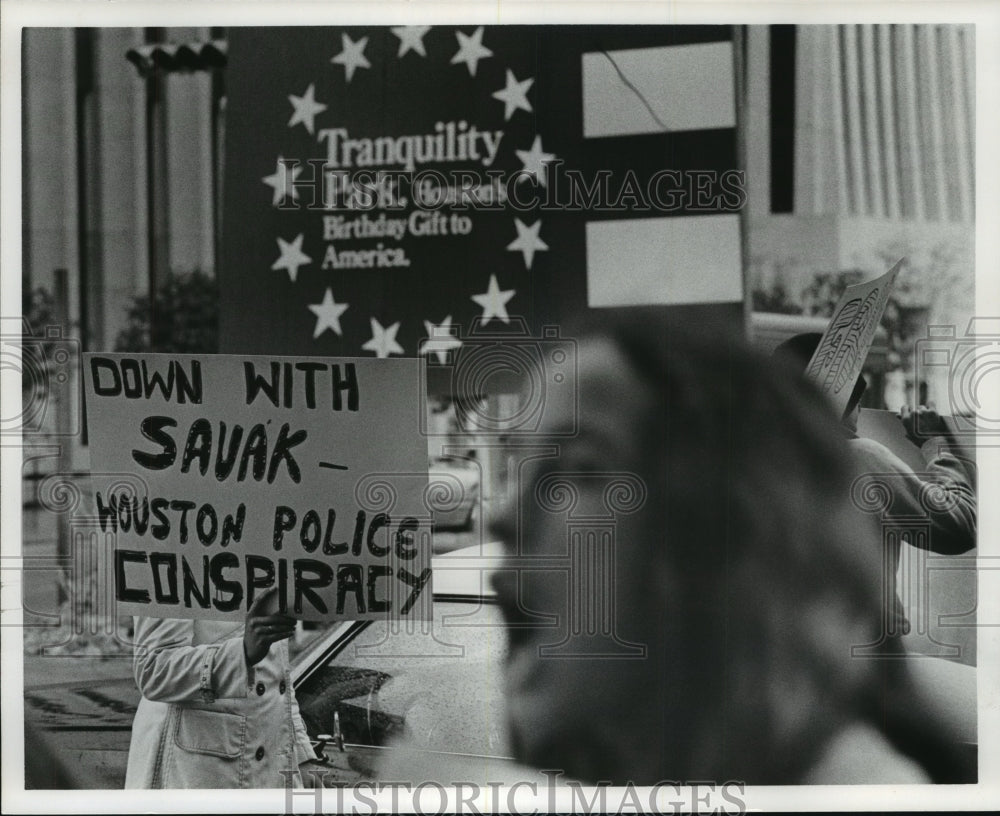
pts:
pixel 221 476
pixel 840 355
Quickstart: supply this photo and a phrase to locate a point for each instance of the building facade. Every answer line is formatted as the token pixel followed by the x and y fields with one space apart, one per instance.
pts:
pixel 859 147
pixel 861 150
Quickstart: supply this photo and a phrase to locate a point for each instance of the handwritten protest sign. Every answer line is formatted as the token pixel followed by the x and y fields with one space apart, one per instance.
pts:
pixel 221 476
pixel 841 353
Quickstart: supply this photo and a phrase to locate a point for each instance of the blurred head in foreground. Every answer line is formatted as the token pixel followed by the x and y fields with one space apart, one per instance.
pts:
pixel 797 351
pixel 717 572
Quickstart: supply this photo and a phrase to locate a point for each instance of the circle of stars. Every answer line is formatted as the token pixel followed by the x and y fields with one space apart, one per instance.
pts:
pixel 441 338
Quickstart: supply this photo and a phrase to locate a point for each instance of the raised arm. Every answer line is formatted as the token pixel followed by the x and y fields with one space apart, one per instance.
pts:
pixel 170 668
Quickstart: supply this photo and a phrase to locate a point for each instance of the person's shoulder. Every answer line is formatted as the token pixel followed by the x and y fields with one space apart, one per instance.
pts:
pixel 859 754
pixel 870 454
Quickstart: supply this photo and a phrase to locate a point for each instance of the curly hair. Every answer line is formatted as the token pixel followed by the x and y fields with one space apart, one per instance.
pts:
pixel 778 572
pixel 749 573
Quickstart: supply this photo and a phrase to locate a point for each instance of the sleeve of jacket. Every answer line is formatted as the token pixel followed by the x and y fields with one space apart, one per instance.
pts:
pixel 944 492
pixel 169 668
pixel 954 511
pixel 303 745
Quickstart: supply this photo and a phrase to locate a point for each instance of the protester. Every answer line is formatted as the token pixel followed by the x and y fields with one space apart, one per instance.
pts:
pixel 741 568
pixel 218 709
pixel 943 493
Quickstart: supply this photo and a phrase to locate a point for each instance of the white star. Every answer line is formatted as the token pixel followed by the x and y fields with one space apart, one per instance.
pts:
pixel 282 181
pixel 352 56
pixel 383 341
pixel 306 108
pixel 292 256
pixel 327 314
pixel 514 95
pixel 440 340
pixel 534 162
pixel 411 38
pixel 471 50
pixel 527 240
pixel 494 302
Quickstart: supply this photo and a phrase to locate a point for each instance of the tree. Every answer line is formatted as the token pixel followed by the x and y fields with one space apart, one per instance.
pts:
pixel 38 307
pixel 774 299
pixel 183 319
pixel 821 295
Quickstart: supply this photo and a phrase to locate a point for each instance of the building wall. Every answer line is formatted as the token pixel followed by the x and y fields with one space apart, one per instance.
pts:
pixel 189 164
pixel 116 225
pixel 884 122
pixel 882 153
pixel 121 171
pixel 50 162
pixel 92 151
pixel 883 148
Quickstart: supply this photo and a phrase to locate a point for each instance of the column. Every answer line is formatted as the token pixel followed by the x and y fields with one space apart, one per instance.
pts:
pixel 872 145
pixel 852 95
pixel 121 177
pixel 189 159
pixel 910 160
pixel 961 123
pixel 817 159
pixel 757 124
pixel 890 125
pixel 932 111
pixel 49 143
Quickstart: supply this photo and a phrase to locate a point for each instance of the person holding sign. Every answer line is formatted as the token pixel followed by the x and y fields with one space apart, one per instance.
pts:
pixel 217 708
pixel 221 477
pixel 943 494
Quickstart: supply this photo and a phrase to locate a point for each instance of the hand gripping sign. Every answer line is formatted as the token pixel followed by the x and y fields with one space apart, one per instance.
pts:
pixel 248 468
pixel 845 344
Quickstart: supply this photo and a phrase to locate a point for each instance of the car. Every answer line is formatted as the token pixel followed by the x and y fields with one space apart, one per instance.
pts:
pixel 453 492
pixel 435 685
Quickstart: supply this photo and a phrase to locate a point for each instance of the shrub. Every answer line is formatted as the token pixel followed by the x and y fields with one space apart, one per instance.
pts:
pixel 184 318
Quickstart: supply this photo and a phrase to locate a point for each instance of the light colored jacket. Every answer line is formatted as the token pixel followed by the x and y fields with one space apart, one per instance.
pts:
pixel 205 720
